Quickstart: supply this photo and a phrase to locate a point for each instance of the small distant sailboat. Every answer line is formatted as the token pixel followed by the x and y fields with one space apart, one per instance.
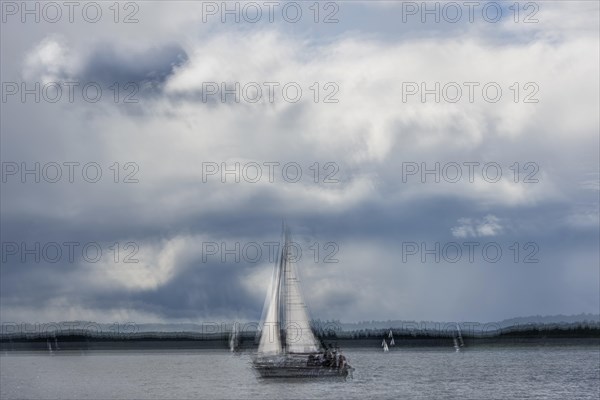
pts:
pixel 234 338
pixel 385 346
pixel 391 336
pixel 49 344
pixel 458 340
pixel 288 347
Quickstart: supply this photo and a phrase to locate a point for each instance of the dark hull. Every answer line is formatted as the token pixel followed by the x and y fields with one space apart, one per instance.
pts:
pixel 297 366
pixel 266 371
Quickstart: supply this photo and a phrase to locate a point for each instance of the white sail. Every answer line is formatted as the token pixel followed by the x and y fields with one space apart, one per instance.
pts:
pixel 392 343
pixel 285 292
pixel 385 346
pixel 460 338
pixel 299 334
pixel 233 337
pixel 270 340
pixel 390 335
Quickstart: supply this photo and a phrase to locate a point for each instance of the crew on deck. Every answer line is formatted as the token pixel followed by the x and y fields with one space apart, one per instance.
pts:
pixel 329 358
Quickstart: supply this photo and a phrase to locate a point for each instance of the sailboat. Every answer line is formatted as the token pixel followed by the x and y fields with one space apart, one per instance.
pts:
pixel 234 338
pixel 458 340
pixel 391 336
pixel 385 346
pixel 288 347
pixel 49 344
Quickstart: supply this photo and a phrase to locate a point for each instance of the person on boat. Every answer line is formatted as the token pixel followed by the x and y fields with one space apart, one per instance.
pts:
pixel 314 360
pixel 341 361
pixel 326 358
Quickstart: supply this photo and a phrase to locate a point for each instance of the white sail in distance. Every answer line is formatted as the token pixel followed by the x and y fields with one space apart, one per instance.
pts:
pixel 233 337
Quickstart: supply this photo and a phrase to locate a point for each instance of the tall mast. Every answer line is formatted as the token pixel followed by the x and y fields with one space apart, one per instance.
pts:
pixel 288 314
pixel 283 294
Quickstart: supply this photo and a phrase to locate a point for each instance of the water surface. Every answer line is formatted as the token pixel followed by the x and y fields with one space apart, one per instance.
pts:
pixel 545 372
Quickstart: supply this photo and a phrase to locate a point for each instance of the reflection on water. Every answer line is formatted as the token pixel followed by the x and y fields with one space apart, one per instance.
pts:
pixel 479 373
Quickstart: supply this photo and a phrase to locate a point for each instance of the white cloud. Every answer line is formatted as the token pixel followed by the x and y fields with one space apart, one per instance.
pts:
pixel 150 265
pixel 489 225
pixel 50 61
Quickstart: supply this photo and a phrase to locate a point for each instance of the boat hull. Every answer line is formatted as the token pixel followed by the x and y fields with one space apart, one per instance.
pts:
pixel 301 372
pixel 298 366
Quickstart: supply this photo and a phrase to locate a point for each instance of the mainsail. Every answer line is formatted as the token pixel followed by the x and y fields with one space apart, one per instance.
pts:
pixel 286 308
pixel 270 339
pixel 298 333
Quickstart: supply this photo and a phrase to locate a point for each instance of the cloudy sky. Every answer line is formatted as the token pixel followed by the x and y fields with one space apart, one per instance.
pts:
pixel 360 118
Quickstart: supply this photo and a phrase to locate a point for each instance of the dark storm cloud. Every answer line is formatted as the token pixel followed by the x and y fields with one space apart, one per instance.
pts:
pixel 108 63
pixel 199 290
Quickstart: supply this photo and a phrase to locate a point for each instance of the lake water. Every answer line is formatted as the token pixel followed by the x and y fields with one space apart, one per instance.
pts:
pixel 543 372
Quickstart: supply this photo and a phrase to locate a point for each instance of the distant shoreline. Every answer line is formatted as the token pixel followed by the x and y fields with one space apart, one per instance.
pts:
pixel 88 341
